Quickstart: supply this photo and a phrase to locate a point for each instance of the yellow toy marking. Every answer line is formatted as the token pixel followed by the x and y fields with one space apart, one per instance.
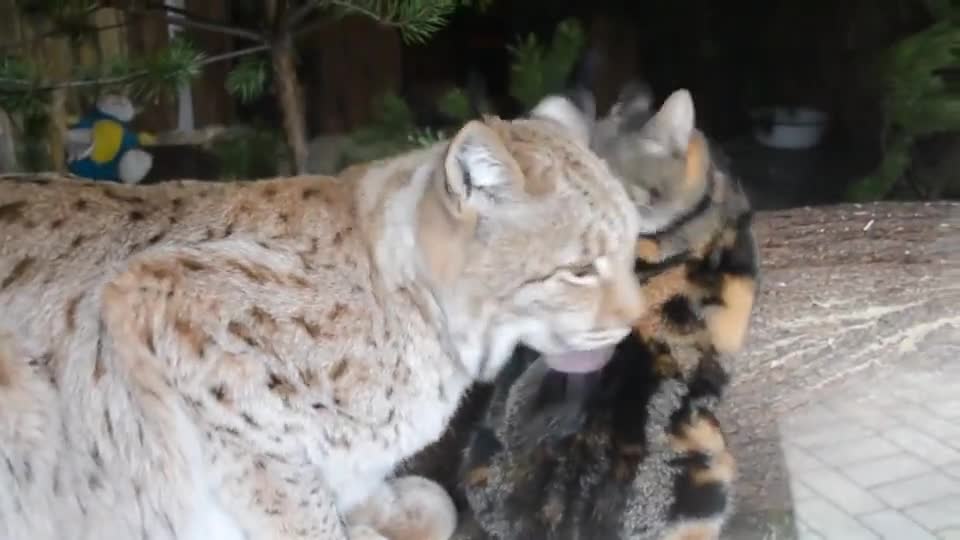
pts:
pixel 107 138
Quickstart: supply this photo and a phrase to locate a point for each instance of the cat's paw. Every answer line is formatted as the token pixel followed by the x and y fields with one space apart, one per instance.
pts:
pixel 408 508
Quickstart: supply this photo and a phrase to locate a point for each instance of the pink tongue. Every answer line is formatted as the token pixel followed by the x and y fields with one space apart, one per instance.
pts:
pixel 580 361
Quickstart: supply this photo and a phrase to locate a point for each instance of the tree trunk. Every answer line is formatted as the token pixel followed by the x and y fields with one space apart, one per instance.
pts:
pixel 212 104
pixel 843 289
pixel 57 130
pixel 290 100
pixel 287 84
pixel 8 144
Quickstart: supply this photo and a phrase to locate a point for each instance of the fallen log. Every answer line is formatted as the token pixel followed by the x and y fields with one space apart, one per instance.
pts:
pixel 845 289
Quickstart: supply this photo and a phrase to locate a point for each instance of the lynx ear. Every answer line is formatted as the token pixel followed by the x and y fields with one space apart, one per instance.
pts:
pixel 477 160
pixel 564 111
pixel 674 123
pixel 478 95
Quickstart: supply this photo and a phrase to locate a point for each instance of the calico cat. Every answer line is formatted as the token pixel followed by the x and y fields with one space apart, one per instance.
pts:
pixel 634 451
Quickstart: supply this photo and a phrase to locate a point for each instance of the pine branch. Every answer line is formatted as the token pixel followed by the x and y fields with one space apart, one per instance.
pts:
pixel 415 19
pixel 27 86
pixel 190 68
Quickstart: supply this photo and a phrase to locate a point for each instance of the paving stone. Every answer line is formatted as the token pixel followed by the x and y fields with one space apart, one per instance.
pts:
pixel 878 459
pixel 922 445
pixel 949 534
pixel 936 515
pixel 870 414
pixel 893 525
pixel 923 419
pixel 799 491
pixel 855 451
pixel 918 489
pixel 830 522
pixel 799 460
pixel 948 410
pixel 841 491
pixel 805 532
pixel 836 432
pixel 887 469
pixel 809 417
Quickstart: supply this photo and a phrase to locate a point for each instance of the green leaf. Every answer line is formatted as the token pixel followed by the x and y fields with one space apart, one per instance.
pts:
pixel 426 136
pixel 879 184
pixel 18 80
pixel 917 101
pixel 248 79
pixel 167 69
pixel 537 70
pixel 456 105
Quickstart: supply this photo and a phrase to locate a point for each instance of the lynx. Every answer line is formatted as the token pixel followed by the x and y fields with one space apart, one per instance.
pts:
pixel 194 360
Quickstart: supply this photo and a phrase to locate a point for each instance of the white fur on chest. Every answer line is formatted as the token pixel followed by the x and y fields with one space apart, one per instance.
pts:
pixel 421 411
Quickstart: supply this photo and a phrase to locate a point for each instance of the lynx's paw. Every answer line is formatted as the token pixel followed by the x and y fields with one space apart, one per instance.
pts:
pixel 408 508
pixel 364 532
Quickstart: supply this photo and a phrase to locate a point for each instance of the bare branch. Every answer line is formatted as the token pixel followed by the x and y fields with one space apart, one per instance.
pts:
pixel 350 7
pixel 234 54
pixel 182 18
pixel 311 27
pixel 68 84
pixel 301 13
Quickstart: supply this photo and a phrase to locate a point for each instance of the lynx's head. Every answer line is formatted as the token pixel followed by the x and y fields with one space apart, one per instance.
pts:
pixel 528 238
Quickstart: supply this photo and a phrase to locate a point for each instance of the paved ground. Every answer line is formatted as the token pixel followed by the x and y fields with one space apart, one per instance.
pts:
pixel 880 458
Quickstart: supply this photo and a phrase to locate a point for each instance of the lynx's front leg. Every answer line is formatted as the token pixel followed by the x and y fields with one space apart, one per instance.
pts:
pixel 274 500
pixel 408 508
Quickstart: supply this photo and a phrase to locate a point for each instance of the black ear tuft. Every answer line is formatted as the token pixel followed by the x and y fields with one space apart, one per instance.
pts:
pixel 477 95
pixel 467 179
pixel 586 69
pixel 583 99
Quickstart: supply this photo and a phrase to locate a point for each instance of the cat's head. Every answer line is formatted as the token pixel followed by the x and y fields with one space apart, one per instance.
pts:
pixel 528 237
pixel 662 157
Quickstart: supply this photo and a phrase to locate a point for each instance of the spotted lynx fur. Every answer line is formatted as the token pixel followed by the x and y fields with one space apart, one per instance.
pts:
pixel 251 360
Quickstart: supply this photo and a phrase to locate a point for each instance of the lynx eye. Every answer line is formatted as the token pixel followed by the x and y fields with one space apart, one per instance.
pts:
pixel 581 274
pixel 583 271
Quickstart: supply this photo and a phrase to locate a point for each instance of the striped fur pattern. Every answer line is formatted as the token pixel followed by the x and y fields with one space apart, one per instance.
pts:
pixel 634 451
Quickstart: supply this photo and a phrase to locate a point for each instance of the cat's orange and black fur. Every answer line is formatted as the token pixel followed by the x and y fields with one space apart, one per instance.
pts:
pixel 634 451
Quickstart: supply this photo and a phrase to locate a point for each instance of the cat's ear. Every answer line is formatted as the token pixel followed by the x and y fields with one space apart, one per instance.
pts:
pixel 673 124
pixel 565 111
pixel 583 76
pixel 478 163
pixel 635 99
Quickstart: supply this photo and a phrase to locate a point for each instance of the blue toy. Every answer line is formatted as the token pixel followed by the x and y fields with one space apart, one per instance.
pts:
pixel 102 145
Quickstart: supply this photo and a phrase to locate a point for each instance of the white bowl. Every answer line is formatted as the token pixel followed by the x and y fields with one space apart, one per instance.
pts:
pixel 792 128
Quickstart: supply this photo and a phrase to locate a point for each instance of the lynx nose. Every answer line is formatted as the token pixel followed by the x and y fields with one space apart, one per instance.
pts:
pixel 624 302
